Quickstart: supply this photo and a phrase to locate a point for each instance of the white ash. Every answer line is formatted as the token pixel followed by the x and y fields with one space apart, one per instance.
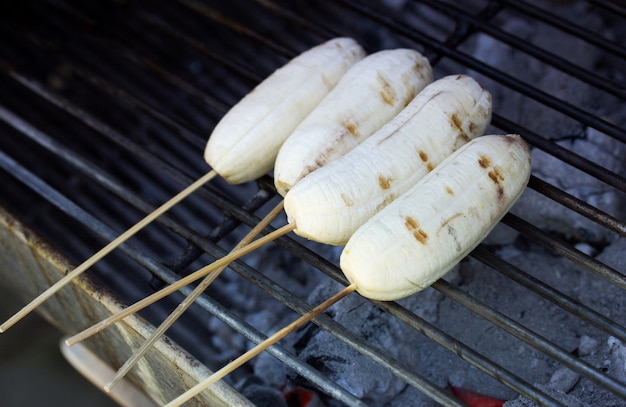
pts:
pixel 617 359
pixel 522 109
pixel 343 364
pixel 587 142
pixel 563 379
pixel 553 217
pixel 567 387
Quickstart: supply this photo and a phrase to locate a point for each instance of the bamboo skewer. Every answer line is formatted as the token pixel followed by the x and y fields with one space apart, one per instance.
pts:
pixel 186 303
pixel 139 305
pixel 230 367
pixel 105 250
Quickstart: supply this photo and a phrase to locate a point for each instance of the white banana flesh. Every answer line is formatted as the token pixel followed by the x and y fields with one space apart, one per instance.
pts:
pixel 369 95
pixel 330 204
pixel 244 144
pixel 430 228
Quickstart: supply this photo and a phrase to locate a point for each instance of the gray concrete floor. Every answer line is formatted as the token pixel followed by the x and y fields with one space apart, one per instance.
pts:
pixel 33 372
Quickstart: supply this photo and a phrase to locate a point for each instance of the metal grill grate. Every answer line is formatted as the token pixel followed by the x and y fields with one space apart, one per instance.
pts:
pixel 105 107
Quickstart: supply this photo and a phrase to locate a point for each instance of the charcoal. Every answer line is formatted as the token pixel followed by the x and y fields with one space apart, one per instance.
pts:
pixel 617 359
pixel 260 394
pixel 563 380
pixel 355 372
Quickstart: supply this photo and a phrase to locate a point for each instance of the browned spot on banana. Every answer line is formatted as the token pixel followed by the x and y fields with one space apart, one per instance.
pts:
pixel 484 161
pixel 384 182
pixel 449 190
pixel 346 200
pixel 421 236
pixel 456 122
pixel 497 178
pixel 353 129
pixel 413 225
pixel 387 92
pixel 424 158
pixel 495 175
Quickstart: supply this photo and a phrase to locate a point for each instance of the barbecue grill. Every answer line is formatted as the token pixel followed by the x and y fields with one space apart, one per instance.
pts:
pixel 105 108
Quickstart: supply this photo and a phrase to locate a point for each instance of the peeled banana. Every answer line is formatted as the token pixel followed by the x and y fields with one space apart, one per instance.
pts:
pixel 425 232
pixel 331 203
pixel 370 94
pixel 244 144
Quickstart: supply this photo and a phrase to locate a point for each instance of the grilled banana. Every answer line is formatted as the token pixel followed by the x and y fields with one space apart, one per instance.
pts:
pixel 244 144
pixel 431 227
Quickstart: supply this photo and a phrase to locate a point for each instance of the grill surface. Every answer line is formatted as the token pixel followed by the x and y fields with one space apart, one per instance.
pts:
pixel 105 109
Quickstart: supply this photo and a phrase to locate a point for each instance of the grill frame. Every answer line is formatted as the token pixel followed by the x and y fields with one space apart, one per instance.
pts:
pixel 436 50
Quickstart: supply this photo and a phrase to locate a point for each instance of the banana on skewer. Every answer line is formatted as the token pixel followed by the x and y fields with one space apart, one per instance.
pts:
pixel 441 219
pixel 245 143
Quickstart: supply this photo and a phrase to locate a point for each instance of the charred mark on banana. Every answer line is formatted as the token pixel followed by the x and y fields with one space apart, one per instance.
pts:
pixel 353 129
pixel 497 179
pixel 424 158
pixel 413 226
pixel 387 93
pixel 494 174
pixel 411 223
pixel 484 161
pixel 384 182
pixel 458 124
